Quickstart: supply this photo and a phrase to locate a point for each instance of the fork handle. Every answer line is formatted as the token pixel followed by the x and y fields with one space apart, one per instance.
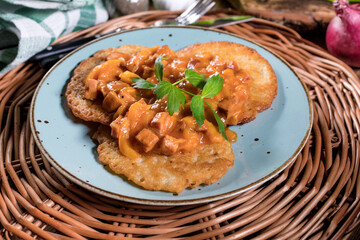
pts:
pixel 61 48
pixel 52 54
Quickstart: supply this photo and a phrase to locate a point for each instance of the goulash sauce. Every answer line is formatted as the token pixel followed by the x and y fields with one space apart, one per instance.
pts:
pixel 141 123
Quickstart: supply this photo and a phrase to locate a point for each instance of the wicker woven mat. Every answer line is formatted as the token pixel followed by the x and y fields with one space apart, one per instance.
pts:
pixel 317 197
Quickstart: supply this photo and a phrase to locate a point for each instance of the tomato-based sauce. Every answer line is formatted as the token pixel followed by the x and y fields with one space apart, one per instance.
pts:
pixel 141 122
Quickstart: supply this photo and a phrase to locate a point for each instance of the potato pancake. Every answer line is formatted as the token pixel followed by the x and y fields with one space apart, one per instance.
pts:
pixel 148 144
pixel 174 173
pixel 263 82
pixel 83 108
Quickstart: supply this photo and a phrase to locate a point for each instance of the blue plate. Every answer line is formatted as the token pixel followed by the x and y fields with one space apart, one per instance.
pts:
pixel 265 146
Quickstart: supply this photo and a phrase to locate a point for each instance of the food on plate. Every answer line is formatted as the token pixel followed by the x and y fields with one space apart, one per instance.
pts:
pixel 84 108
pixel 172 173
pixel 262 84
pixel 166 112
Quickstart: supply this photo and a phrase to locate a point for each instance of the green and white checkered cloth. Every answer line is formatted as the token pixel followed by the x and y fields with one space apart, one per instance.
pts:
pixel 29 26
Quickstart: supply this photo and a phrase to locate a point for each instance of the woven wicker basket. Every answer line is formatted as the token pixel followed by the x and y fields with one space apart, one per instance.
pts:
pixel 317 197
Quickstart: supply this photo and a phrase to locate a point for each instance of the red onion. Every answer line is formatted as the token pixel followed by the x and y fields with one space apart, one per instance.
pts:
pixel 343 33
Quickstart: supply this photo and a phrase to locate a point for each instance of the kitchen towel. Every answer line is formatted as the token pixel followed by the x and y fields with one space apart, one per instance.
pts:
pixel 29 26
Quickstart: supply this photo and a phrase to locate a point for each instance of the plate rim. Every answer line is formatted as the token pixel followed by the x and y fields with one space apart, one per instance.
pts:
pixel 125 198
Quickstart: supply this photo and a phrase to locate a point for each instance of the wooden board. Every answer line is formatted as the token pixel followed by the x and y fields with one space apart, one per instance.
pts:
pixel 304 15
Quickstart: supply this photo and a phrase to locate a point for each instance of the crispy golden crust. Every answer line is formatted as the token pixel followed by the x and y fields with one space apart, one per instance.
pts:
pixel 205 165
pixel 81 107
pixel 263 82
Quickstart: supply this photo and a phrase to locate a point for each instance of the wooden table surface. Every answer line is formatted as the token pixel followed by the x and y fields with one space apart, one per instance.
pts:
pixel 308 17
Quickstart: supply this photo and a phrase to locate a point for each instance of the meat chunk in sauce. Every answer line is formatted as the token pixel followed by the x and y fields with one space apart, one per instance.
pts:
pixel 115 127
pixel 163 122
pixel 170 145
pixel 111 102
pixel 91 90
pixel 148 139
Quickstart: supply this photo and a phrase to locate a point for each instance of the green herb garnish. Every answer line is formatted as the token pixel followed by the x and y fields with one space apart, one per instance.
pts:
pixel 195 78
pixel 175 96
pixel 159 68
pixel 143 84
pixel 197 109
pixel 212 87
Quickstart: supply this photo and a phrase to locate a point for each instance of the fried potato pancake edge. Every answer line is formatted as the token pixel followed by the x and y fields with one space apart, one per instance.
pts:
pixel 83 108
pixel 174 173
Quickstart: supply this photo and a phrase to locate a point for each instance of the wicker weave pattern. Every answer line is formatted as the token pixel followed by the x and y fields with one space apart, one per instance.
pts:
pixel 317 197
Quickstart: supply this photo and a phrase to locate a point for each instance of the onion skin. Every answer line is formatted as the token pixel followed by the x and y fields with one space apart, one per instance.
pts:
pixel 343 33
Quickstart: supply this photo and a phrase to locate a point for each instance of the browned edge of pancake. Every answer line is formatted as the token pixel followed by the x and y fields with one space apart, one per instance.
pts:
pixel 263 82
pixel 205 165
pixel 83 108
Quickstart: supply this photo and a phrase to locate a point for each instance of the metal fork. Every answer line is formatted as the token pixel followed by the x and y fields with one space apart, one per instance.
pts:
pixel 195 11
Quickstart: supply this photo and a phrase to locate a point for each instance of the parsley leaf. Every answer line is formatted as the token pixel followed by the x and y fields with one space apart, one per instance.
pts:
pixel 218 120
pixel 212 87
pixel 197 109
pixel 142 83
pixel 174 96
pixel 158 68
pixel 195 78
pixel 220 124
pixel 162 89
